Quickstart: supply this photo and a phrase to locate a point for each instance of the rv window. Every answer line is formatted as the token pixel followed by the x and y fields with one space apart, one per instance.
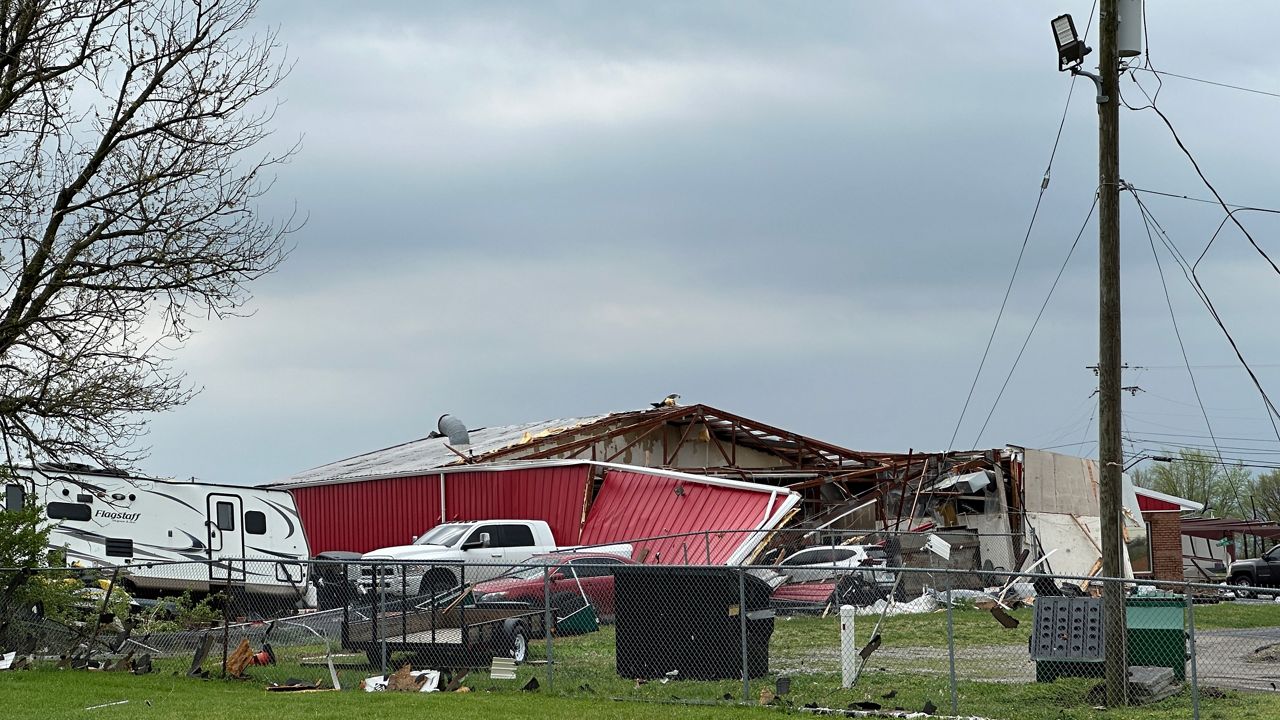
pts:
pixel 68 511
pixel 255 522
pixel 15 496
pixel 226 516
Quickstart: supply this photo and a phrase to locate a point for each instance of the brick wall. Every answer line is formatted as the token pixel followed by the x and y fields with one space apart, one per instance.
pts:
pixel 1166 544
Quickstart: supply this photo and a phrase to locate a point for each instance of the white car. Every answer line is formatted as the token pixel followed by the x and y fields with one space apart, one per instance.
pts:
pixel 827 562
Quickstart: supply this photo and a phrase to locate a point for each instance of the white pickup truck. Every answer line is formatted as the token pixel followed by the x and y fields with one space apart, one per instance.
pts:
pixel 435 562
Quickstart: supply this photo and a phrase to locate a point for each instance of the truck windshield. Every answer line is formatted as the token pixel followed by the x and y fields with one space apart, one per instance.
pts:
pixel 445 535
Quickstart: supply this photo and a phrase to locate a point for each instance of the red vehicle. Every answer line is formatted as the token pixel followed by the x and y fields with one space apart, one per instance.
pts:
pixel 576 579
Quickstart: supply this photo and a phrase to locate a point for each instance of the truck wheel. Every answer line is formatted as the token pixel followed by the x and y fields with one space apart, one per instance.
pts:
pixel 437 581
pixel 515 640
pixel 1243 586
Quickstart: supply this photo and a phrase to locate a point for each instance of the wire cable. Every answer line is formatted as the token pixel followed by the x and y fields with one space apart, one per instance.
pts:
pixel 1176 196
pixel 1044 185
pixel 1039 315
pixel 1189 272
pixel 1177 333
pixel 1166 73
pixel 1004 302
pixel 1151 99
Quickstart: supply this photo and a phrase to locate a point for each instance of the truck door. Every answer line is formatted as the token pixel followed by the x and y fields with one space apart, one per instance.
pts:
pixel 481 556
pixel 226 537
pixel 1269 568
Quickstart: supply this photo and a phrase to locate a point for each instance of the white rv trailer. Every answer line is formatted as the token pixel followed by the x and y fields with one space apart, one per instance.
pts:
pixel 107 518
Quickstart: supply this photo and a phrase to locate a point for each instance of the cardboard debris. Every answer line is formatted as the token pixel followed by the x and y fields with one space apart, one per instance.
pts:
pixel 403 680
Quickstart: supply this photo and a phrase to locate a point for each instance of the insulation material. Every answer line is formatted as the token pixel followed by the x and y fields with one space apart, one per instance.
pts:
pixel 673 519
pixel 1078 541
pixel 995 545
pixel 1057 483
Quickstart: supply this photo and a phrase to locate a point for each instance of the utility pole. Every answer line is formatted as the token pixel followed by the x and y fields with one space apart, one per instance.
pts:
pixel 1110 452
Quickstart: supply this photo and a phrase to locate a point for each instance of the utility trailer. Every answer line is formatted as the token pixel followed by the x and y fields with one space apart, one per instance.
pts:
pixel 454 632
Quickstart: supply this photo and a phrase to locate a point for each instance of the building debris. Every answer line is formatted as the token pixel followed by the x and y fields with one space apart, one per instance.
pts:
pixel 406 679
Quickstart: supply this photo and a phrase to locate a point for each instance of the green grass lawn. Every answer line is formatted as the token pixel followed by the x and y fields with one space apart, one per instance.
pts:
pixel 58 694
pixel 911 665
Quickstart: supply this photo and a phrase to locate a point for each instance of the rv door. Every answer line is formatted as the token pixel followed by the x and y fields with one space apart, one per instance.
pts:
pixel 226 537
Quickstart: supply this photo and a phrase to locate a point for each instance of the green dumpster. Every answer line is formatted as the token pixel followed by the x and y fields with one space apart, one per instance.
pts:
pixel 1156 632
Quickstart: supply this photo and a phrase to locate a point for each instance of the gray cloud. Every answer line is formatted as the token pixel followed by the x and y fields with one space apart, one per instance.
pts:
pixel 801 212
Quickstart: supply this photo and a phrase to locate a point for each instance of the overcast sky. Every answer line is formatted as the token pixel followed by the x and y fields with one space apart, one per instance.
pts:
pixel 806 213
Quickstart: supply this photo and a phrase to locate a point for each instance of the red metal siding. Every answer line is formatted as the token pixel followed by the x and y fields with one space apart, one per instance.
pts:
pixel 366 515
pixel 633 505
pixel 363 516
pixel 553 494
pixel 1150 504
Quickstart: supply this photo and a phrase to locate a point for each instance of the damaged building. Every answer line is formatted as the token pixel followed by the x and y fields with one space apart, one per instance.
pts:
pixel 1001 509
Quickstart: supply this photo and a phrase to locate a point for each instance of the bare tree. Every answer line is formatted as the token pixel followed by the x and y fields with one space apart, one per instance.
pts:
pixel 128 190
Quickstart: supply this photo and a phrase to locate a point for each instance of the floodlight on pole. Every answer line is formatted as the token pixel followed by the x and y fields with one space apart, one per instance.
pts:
pixel 1071 49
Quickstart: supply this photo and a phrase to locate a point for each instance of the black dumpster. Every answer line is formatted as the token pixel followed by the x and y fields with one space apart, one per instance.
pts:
pixel 685 622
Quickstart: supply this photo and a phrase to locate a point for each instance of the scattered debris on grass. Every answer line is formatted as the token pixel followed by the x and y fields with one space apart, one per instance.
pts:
pixel 295 685
pixel 110 704
pixel 405 679
pixel 1265 654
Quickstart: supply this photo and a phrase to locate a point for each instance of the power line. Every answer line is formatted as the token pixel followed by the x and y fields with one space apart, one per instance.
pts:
pixel 1218 197
pixel 1044 185
pixel 1207 367
pixel 1225 462
pixel 1207 201
pixel 1190 273
pixel 1220 437
pixel 1241 88
pixel 1176 332
pixel 1040 314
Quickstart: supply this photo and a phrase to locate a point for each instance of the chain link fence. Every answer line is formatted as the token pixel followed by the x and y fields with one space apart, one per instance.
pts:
pixel 863 627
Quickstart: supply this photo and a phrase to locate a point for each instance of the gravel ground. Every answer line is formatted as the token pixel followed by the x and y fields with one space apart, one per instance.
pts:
pixel 1224 658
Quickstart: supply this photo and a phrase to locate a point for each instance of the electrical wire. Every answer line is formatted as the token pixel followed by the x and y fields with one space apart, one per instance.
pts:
pixel 1166 73
pixel 1199 200
pixel 1208 367
pixel 1085 437
pixel 1004 302
pixel 1177 333
pixel 1189 272
pixel 1040 314
pixel 1220 437
pixel 1151 99
pixel 1044 185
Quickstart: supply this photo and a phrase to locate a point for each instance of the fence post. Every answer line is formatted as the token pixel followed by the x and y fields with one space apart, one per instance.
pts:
pixel 381 614
pixel 951 643
pixel 226 615
pixel 848 646
pixel 1191 638
pixel 547 625
pixel 742 627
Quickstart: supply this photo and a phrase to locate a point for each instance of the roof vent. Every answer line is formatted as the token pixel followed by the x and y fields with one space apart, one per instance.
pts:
pixel 454 429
